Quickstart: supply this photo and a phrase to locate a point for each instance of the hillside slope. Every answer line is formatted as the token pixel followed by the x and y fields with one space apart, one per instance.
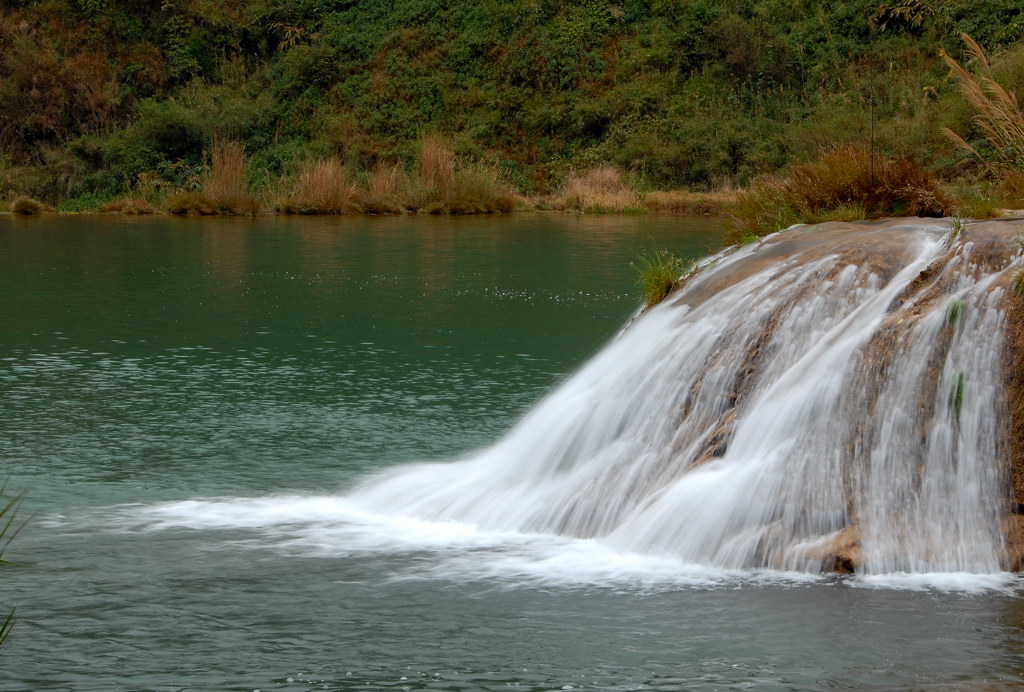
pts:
pixel 100 98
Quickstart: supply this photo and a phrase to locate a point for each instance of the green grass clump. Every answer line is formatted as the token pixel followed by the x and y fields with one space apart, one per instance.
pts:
pixel 975 204
pixel 657 274
pixel 955 399
pixel 955 314
pixel 478 189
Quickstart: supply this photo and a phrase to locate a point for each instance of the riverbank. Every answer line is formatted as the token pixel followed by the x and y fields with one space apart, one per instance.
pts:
pixel 846 183
pixel 441 186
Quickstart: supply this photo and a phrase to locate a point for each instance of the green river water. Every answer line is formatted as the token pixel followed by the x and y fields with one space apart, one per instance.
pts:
pixel 261 366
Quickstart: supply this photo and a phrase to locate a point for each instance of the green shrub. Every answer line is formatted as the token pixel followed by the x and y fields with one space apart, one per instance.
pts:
pixel 478 189
pixel 86 202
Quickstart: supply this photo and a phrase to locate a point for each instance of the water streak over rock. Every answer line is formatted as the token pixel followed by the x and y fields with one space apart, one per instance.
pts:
pixel 831 398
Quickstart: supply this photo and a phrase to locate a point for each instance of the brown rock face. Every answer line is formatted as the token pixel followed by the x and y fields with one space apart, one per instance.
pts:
pixel 846 553
pixel 1013 535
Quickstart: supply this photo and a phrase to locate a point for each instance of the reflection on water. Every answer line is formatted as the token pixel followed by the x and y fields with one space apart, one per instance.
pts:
pixel 220 355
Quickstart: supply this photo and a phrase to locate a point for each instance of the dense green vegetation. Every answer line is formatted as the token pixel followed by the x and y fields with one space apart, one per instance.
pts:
pixel 103 99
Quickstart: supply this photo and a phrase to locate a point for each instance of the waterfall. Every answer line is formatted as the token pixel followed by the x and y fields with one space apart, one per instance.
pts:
pixel 830 398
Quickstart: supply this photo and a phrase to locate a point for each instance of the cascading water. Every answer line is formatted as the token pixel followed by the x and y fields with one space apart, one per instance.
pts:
pixel 829 398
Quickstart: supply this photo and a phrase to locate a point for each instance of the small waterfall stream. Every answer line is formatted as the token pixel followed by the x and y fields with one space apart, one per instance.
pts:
pixel 831 398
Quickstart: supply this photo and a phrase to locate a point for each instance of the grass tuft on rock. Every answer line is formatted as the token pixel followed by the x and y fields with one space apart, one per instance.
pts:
pixel 658 271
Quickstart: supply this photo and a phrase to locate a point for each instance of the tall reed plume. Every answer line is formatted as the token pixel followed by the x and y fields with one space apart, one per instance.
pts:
pixel 997 111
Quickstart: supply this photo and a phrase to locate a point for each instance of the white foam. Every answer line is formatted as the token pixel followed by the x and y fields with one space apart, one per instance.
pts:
pixel 963 582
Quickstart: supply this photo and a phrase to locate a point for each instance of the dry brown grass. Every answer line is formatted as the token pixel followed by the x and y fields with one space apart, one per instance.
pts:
pixel 28 206
pixel 441 185
pixel 1011 185
pixel 128 205
pixel 846 183
pixel 224 179
pixel 445 186
pixel 323 187
pixel 385 191
pixel 997 111
pixel 686 202
pixel 437 163
pixel 225 176
pixel 191 202
pixel 479 189
pixel 600 189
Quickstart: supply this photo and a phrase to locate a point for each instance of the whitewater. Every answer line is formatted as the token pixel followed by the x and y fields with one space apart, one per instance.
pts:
pixel 828 399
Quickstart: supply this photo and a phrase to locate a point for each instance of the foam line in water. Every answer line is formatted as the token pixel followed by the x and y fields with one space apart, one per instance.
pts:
pixel 331 527
pixel 957 582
